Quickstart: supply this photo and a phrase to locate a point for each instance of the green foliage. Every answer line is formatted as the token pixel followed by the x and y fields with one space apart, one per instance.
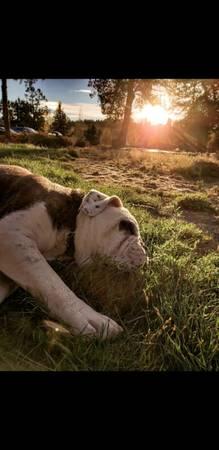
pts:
pixel 112 94
pixel 23 113
pixel 29 112
pixel 42 140
pixel 199 170
pixel 60 122
pixel 49 141
pixel 199 101
pixel 195 202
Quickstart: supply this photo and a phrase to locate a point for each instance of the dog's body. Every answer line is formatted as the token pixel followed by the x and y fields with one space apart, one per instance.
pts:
pixel 40 221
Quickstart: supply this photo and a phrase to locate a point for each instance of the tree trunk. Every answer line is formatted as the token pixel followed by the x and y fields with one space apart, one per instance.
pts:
pixel 127 114
pixel 5 108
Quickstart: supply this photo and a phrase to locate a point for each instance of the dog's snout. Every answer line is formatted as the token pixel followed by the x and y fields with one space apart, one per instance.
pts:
pixel 142 243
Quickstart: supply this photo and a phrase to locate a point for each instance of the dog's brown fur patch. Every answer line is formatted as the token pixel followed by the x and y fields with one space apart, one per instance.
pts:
pixel 20 189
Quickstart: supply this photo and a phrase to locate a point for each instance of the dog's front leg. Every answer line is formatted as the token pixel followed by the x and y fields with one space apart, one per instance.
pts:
pixel 21 261
pixel 7 287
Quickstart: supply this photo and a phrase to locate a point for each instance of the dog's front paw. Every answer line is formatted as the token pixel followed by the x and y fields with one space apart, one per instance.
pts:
pixel 88 322
pixel 104 326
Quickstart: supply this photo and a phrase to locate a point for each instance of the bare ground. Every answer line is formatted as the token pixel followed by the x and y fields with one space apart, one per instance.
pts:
pixel 143 180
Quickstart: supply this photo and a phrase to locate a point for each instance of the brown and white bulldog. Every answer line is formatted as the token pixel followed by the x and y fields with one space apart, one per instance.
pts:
pixel 40 221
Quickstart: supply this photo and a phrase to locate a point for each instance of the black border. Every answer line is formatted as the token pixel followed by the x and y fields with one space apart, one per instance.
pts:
pixel 150 384
pixel 97 40
pixel 141 53
pixel 182 67
pixel 194 56
pixel 158 404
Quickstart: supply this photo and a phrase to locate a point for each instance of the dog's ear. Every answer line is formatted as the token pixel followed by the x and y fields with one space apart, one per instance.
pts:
pixel 115 201
pixel 95 202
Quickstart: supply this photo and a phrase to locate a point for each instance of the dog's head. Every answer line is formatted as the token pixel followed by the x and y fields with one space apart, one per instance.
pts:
pixel 104 227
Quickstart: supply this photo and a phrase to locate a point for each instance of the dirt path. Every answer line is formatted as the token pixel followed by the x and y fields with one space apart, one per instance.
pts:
pixel 105 172
pixel 110 172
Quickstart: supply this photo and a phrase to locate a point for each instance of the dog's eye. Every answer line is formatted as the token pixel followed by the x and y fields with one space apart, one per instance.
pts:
pixel 128 226
pixel 97 206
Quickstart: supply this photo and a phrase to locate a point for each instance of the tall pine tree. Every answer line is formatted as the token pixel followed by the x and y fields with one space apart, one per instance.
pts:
pixel 60 121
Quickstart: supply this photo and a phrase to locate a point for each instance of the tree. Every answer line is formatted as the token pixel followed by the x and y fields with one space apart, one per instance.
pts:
pixel 5 108
pixel 207 104
pixel 183 92
pixel 60 121
pixel 29 112
pixel 127 112
pixel 35 111
pixel 199 101
pixel 22 113
pixel 117 96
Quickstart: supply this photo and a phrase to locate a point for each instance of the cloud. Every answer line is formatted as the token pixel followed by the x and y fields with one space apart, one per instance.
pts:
pixel 78 110
pixel 82 91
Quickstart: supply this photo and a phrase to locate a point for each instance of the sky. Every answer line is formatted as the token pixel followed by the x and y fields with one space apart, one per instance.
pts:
pixel 73 93
pixel 77 104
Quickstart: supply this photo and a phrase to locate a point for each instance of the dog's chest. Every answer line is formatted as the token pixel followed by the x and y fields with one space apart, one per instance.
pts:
pixel 58 245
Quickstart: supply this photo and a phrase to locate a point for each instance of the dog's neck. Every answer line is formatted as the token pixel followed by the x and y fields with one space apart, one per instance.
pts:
pixel 76 197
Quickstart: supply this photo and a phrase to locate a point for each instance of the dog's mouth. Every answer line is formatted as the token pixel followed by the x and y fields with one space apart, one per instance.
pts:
pixel 130 258
pixel 134 258
pixel 119 263
pixel 132 253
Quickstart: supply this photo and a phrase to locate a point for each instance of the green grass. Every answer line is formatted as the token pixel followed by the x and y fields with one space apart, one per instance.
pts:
pixel 195 201
pixel 199 169
pixel 171 308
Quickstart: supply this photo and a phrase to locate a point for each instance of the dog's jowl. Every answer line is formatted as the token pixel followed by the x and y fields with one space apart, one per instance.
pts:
pixel 41 221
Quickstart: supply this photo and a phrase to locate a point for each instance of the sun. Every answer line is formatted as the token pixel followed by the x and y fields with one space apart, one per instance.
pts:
pixel 155 114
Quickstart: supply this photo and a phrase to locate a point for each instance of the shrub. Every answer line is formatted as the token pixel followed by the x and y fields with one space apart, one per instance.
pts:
pixel 193 168
pixel 195 202
pixel 42 140
pixel 92 135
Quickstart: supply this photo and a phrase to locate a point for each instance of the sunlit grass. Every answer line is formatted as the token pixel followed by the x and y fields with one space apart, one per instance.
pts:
pixel 169 310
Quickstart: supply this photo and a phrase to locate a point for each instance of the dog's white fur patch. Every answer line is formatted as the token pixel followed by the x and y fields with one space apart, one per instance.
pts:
pixel 36 224
pixel 95 202
pixel 101 235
